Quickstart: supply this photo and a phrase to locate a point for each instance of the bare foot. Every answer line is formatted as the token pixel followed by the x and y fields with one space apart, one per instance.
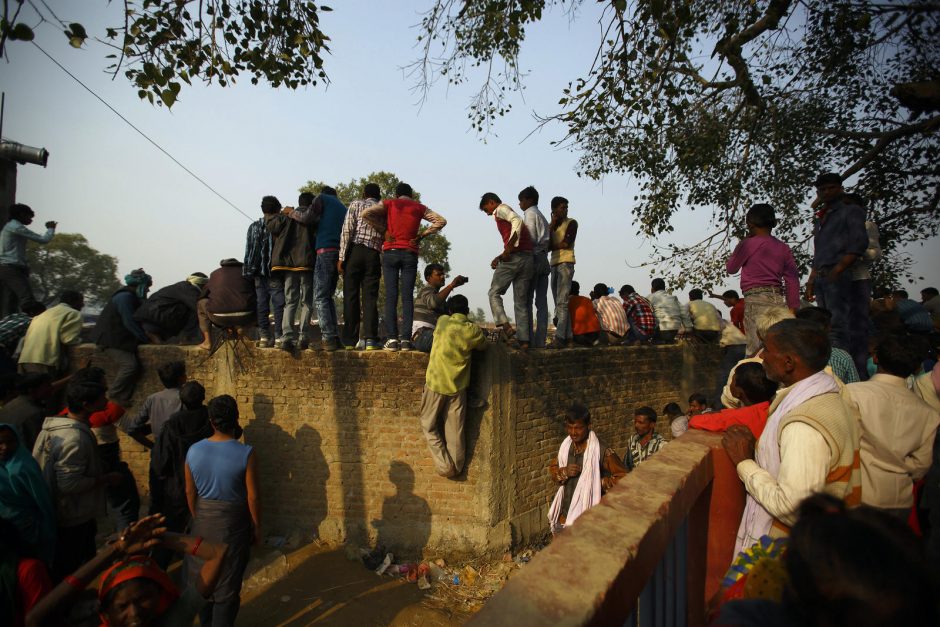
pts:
pixel 205 346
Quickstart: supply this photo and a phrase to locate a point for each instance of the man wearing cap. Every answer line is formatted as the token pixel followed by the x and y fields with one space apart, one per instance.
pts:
pixel 839 240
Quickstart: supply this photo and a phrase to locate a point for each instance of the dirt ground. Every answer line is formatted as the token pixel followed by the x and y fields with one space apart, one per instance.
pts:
pixel 329 589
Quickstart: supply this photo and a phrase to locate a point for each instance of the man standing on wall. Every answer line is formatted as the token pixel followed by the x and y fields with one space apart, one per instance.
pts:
pixel 839 240
pixel 268 287
pixel 403 216
pixel 445 388
pixel 537 226
pixel 14 273
pixel 512 267
pixel 292 261
pixel 326 274
pixel 360 263
pixel 562 232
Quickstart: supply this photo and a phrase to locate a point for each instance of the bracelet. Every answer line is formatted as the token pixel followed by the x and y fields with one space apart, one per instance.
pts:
pixel 196 546
pixel 75 582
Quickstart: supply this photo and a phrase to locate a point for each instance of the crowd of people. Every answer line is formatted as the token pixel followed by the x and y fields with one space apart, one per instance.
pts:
pixel 834 392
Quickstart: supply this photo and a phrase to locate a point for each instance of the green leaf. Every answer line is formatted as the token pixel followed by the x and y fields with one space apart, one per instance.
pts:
pixel 21 32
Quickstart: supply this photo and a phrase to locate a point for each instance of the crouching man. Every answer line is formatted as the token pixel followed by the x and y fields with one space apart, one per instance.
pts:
pixel 584 470
pixel 445 388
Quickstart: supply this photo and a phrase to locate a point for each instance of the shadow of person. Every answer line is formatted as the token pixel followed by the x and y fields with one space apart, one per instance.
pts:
pixel 405 526
pixel 293 472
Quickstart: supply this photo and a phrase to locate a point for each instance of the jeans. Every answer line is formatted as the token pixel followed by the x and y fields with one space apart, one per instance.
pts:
pixel 423 340
pixel 298 293
pixel 362 271
pixel 16 279
pixel 562 275
pixel 635 335
pixel 515 271
pixel 848 301
pixel 538 290
pixel 400 268
pixel 326 277
pixel 755 304
pixel 270 293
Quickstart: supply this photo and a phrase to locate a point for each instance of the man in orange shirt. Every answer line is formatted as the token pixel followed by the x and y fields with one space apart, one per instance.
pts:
pixel 585 327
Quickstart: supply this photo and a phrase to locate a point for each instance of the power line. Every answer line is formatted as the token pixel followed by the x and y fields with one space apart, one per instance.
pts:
pixel 142 134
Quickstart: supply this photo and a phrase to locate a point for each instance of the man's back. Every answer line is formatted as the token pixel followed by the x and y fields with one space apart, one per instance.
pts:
pixel 704 316
pixel 897 434
pixel 48 332
pixel 668 311
pixel 455 338
pixel 229 291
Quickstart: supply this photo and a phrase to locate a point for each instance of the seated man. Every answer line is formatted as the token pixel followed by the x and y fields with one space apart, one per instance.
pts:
pixel 611 314
pixel 897 428
pixel 706 323
pixel 755 391
pixel 639 315
pixel 228 300
pixel 171 310
pixel 445 388
pixel 585 327
pixel 915 317
pixel 678 421
pixel 430 305
pixel 672 319
pixel 49 332
pixel 645 441
pixel 584 469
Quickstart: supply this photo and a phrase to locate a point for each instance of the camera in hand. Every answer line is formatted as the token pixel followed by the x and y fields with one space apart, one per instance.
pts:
pixel 460 280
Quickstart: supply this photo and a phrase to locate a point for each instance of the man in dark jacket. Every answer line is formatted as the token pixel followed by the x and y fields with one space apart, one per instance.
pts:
pixel 119 335
pixel 228 300
pixel 171 311
pixel 839 240
pixel 268 287
pixel 292 260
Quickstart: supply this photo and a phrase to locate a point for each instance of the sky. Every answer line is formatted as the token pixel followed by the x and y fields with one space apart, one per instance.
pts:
pixel 107 182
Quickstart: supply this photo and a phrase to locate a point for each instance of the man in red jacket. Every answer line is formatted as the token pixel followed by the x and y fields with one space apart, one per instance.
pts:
pixel 403 216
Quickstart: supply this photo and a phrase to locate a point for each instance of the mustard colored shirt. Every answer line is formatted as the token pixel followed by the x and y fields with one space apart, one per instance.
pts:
pixel 455 338
pixel 561 255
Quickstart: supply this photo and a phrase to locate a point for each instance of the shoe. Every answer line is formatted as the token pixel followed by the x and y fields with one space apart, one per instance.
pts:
pixel 264 342
pixel 304 344
pixel 330 344
pixel 405 345
pixel 284 345
pixel 371 345
pixel 391 345
pixel 556 344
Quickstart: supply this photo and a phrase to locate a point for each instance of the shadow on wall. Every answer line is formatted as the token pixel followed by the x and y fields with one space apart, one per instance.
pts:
pixel 406 517
pixel 347 396
pixel 294 465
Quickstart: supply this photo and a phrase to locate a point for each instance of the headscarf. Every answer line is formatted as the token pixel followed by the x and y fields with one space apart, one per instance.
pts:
pixel 25 499
pixel 138 567
pixel 197 279
pixel 140 280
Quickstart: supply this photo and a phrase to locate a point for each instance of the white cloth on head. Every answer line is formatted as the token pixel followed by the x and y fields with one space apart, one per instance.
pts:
pixel 756 520
pixel 587 492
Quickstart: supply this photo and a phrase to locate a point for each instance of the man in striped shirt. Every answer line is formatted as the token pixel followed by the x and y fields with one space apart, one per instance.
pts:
pixel 611 314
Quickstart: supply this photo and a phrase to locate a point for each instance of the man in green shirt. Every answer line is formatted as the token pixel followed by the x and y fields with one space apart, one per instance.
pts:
pixel 445 388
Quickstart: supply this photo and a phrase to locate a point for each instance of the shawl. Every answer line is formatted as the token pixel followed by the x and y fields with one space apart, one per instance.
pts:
pixel 587 493
pixel 25 500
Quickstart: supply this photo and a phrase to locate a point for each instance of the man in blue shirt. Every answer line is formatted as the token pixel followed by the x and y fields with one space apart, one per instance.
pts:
pixel 14 273
pixel 840 239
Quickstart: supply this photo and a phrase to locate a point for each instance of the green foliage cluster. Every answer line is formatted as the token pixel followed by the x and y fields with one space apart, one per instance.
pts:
pixel 68 262
pixel 713 105
pixel 161 44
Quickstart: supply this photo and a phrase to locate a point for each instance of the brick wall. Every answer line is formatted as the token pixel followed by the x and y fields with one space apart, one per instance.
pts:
pixel 343 457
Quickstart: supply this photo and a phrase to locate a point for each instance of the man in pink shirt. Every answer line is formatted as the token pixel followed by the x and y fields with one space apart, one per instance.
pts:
pixel 768 271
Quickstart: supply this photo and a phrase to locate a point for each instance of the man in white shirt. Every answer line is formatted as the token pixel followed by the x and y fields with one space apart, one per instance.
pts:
pixel 672 319
pixel 810 443
pixel 537 226
pixel 897 428
pixel 49 332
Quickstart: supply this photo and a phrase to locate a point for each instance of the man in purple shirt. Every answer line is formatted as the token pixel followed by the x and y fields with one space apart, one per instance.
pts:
pixel 768 271
pixel 839 240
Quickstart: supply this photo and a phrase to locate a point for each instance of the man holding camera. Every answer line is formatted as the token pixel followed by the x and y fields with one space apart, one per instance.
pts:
pixel 14 273
pixel 429 305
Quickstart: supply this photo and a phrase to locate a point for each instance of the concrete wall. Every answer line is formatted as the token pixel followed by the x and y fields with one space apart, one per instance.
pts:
pixel 343 457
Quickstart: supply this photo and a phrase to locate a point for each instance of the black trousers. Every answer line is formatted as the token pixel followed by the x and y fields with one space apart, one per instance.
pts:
pixel 73 547
pixel 362 271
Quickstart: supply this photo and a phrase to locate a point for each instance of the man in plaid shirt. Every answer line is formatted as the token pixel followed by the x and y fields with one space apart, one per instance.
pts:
pixel 360 263
pixel 639 315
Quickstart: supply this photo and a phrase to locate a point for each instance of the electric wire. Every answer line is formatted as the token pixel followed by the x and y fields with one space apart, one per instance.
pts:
pixel 142 134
